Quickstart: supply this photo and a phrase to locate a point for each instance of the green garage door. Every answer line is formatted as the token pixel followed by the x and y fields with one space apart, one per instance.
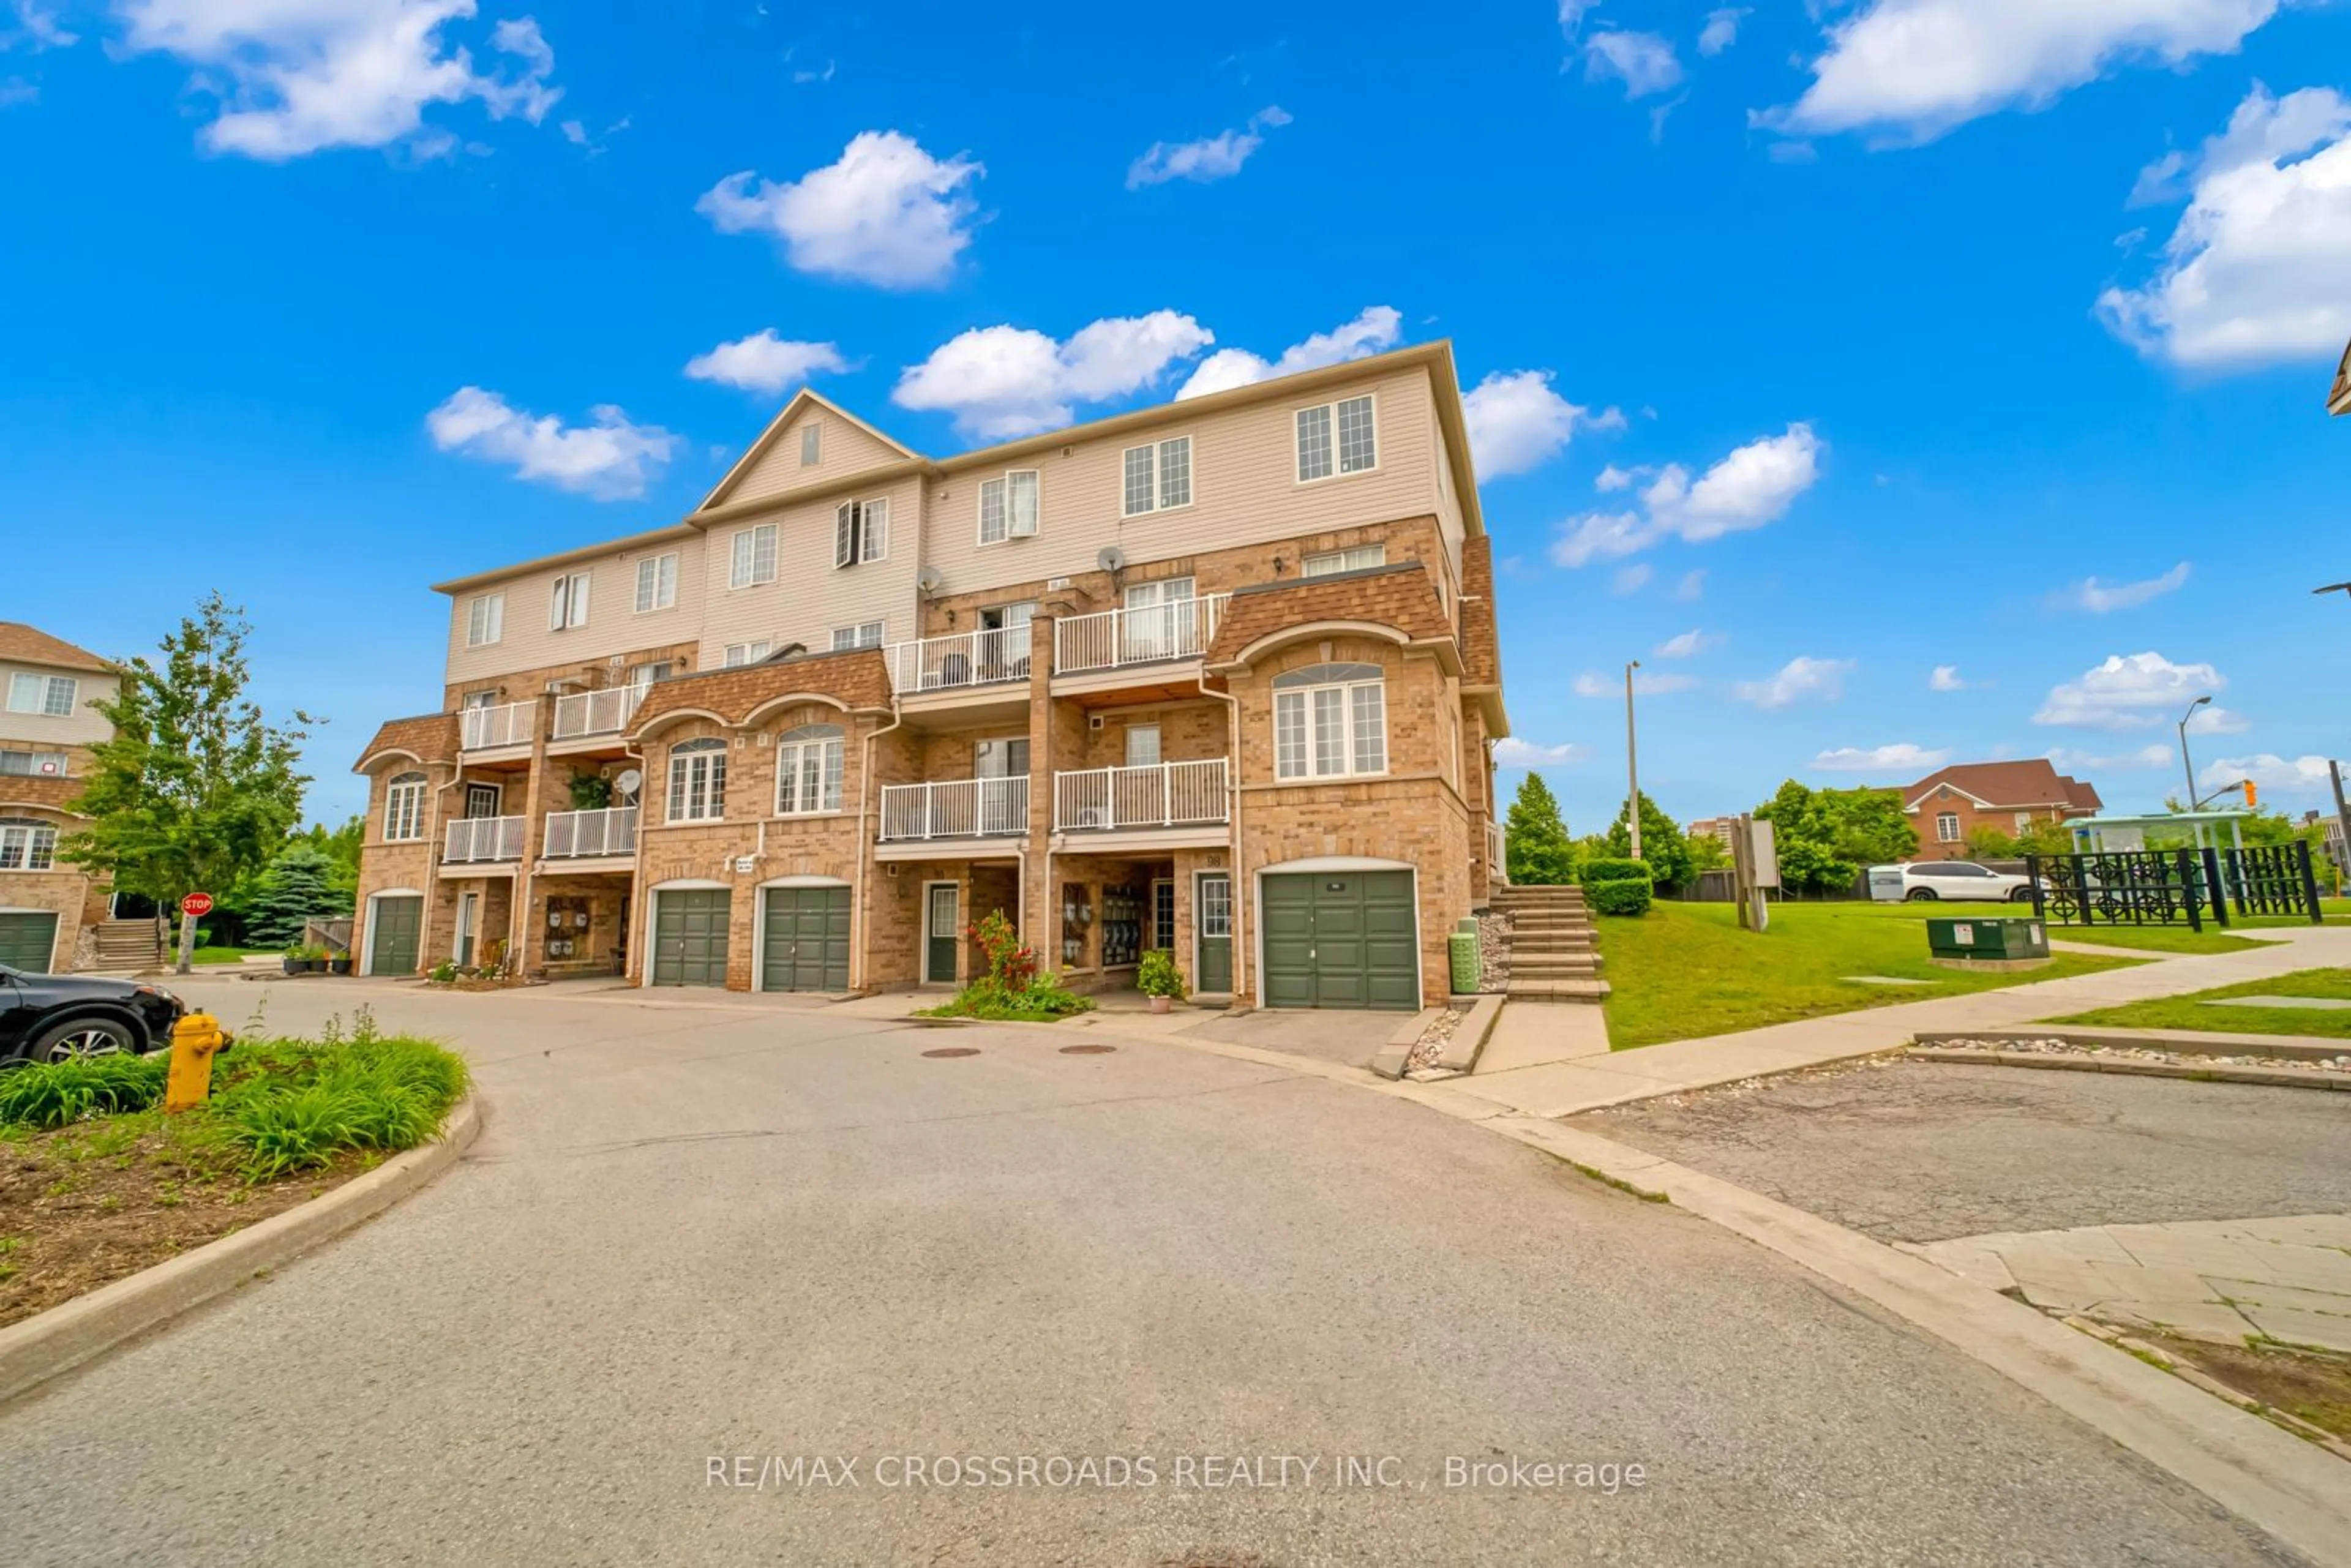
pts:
pixel 29 941
pixel 1346 939
pixel 397 924
pixel 690 937
pixel 806 947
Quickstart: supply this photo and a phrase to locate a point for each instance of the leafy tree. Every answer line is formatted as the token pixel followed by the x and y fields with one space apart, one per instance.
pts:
pixel 1706 852
pixel 1663 847
pixel 194 788
pixel 1535 845
pixel 1825 836
pixel 294 890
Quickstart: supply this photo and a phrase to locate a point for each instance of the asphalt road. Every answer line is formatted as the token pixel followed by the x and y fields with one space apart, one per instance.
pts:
pixel 692 1233
pixel 1922 1151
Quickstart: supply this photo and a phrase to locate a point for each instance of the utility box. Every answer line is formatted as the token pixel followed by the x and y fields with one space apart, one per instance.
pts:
pixel 1987 939
pixel 1463 946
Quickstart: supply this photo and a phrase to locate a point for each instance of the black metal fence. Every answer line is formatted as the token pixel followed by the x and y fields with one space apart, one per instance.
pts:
pixel 2165 888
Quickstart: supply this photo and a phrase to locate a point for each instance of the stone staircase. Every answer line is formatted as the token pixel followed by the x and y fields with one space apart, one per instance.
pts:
pixel 1554 955
pixel 127 945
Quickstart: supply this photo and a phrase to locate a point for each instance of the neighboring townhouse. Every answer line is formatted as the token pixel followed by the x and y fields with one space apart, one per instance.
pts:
pixel 1217 676
pixel 2009 798
pixel 46 728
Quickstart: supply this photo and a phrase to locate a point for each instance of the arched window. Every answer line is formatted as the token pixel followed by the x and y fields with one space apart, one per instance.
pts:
pixel 404 807
pixel 1330 721
pixel 697 781
pixel 27 844
pixel 808 769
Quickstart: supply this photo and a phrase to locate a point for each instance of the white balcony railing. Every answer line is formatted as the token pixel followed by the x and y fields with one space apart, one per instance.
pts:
pixel 485 838
pixel 1180 629
pixel 509 723
pixel 572 835
pixel 606 712
pixel 958 809
pixel 1170 795
pixel 966 659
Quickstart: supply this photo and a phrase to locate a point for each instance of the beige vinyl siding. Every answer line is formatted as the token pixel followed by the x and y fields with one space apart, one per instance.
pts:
pixel 83 726
pixel 810 596
pixel 844 450
pixel 614 626
pixel 1244 490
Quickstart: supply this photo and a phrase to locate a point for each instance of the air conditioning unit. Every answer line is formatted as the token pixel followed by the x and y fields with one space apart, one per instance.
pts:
pixel 1093 817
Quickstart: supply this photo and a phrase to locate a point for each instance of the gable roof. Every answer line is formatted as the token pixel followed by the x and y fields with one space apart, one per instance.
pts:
pixel 804 398
pixel 2006 786
pixel 23 644
pixel 2338 400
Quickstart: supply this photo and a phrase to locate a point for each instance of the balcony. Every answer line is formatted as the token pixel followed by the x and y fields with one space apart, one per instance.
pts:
pixel 487 728
pixel 473 839
pixel 1147 634
pixel 577 835
pixel 1169 795
pixel 984 658
pixel 581 715
pixel 958 809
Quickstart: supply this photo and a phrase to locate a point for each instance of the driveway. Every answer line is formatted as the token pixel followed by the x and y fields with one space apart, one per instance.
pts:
pixel 1328 1034
pixel 693 1232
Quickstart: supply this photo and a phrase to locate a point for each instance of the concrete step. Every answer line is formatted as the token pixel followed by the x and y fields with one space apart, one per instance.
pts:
pixel 1558 991
pixel 1534 898
pixel 1546 924
pixel 1554 945
pixel 1551 967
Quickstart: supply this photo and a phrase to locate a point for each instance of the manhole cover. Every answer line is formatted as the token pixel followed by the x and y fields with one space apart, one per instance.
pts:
pixel 953 1051
pixel 1088 1049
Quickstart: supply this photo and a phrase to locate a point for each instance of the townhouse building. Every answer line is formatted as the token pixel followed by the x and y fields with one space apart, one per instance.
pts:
pixel 2009 798
pixel 1218 677
pixel 47 907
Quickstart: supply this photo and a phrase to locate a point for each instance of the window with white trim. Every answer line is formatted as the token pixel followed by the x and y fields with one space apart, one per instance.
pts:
pixel 697 781
pixel 1330 721
pixel 864 634
pixel 812 442
pixel 1215 906
pixel 641 676
pixel 2024 821
pixel 656 583
pixel 808 770
pixel 1946 828
pixel 1008 506
pixel 861 532
pixel 745 653
pixel 567 607
pixel 486 620
pixel 52 696
pixel 1142 745
pixel 32 764
pixel 1337 437
pixel 1158 477
pixel 1355 558
pixel 404 807
pixel 27 844
pixel 751 558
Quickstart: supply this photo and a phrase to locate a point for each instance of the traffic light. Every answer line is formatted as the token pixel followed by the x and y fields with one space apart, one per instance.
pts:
pixel 2252 796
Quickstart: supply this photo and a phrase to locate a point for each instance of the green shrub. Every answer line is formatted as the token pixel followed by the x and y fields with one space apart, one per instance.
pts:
pixel 57 1093
pixel 1625 895
pixel 1157 975
pixel 1605 868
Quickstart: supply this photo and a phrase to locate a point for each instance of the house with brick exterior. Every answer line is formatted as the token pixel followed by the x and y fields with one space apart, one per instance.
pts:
pixel 1218 677
pixel 2009 798
pixel 46 728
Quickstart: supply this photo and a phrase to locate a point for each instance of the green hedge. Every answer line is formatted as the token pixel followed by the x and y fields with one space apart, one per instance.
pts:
pixel 1603 868
pixel 1627 896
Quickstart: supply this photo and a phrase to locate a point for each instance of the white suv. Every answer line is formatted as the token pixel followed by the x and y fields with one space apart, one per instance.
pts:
pixel 1924 881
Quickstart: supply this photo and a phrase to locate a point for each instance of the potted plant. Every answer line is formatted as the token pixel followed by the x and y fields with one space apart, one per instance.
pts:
pixel 339 963
pixel 314 959
pixel 1155 977
pixel 294 965
pixel 591 792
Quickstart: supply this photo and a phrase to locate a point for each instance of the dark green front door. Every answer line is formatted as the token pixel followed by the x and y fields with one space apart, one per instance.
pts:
pixel 690 937
pixel 1343 939
pixel 398 926
pixel 1212 915
pixel 944 933
pixel 28 942
pixel 805 946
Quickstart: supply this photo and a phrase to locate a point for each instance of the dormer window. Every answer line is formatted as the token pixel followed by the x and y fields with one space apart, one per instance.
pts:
pixel 812 442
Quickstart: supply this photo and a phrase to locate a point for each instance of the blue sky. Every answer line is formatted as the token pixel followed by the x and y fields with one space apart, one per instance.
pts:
pixel 1832 346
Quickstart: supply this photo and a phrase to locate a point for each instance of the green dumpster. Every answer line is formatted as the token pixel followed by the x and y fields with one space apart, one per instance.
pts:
pixel 1979 938
pixel 1463 946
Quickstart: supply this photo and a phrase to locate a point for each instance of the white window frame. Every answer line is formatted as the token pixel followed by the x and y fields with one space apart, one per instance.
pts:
pixel 28 845
pixel 657 583
pixel 404 807
pixel 864 634
pixel 736 654
pixel 567 604
pixel 37 764
pixel 42 698
pixel 1010 524
pixel 2024 821
pixel 861 532
pixel 743 548
pixel 1324 563
pixel 1156 478
pixel 823 745
pixel 811 443
pixel 1947 827
pixel 1303 707
pixel 486 620
pixel 697 779
pixel 1135 732
pixel 1337 456
pixel 643 676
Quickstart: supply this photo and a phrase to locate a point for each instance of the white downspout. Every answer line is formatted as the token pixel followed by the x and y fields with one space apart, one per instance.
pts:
pixel 637 895
pixel 1233 786
pixel 866 848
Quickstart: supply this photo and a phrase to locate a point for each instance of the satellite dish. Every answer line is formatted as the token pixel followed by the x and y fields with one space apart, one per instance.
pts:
pixel 929 579
pixel 628 782
pixel 1112 560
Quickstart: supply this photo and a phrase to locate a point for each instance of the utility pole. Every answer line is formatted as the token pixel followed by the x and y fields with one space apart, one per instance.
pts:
pixel 1632 767
pixel 2188 767
pixel 2342 816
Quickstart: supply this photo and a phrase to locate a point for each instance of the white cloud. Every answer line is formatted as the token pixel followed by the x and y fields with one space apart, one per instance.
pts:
pixel 295 77
pixel 1901 757
pixel 1691 588
pixel 2271 774
pixel 2145 757
pixel 1633 579
pixel 1571 16
pixel 1798 678
pixel 1511 752
pixel 1946 678
pixel 1644 62
pixel 2098 597
pixel 1613 478
pixel 1003 381
pixel 887 213
pixel 2214 719
pixel 1721 29
pixel 1645 683
pixel 1376 329
pixel 764 362
pixel 16 91
pixel 1689 644
pixel 1517 422
pixel 1910 70
pixel 609 459
pixel 1211 158
pixel 1755 485
pixel 2254 271
pixel 38 27
pixel 2129 691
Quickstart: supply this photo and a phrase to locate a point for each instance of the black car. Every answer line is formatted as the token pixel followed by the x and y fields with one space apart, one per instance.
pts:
pixel 48 1018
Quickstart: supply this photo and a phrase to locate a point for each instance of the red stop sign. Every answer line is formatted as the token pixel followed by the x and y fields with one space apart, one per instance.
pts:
pixel 196 904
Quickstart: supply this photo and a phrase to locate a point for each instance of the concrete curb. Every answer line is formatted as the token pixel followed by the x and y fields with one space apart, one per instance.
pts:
pixel 2276 1077
pixel 2188 1042
pixel 1468 1043
pixel 2276 1481
pixel 64 1337
pixel 1389 1063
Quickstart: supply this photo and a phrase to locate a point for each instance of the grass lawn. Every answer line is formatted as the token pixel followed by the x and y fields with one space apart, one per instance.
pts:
pixel 226 954
pixel 1684 970
pixel 2189 1011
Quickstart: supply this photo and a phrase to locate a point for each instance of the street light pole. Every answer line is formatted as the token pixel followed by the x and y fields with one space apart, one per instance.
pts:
pixel 1632 769
pixel 2189 766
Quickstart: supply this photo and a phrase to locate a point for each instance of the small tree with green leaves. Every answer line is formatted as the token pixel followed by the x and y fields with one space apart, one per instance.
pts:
pixel 295 890
pixel 194 788
pixel 1535 847
pixel 1663 847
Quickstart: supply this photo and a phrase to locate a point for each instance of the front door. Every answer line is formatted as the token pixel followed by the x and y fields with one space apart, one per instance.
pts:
pixel 392 943
pixel 481 800
pixel 1212 905
pixel 805 945
pixel 1159 619
pixel 940 924
pixel 469 912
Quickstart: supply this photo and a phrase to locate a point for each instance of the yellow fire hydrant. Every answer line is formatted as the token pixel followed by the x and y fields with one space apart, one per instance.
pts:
pixel 195 1040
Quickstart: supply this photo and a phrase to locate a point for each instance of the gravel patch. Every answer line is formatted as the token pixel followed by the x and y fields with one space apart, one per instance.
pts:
pixel 1494 951
pixel 2143 1053
pixel 1431 1044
